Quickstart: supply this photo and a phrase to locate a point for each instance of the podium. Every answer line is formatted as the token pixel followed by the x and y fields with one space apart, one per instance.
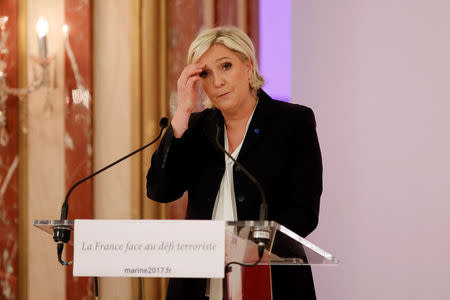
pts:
pixel 283 247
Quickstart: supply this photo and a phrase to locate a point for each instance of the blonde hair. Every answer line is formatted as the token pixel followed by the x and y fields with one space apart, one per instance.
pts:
pixel 234 39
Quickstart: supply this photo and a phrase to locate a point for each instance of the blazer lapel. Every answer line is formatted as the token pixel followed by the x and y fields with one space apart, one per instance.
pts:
pixel 256 129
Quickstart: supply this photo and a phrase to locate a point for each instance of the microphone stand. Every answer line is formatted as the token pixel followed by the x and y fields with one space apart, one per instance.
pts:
pixel 61 234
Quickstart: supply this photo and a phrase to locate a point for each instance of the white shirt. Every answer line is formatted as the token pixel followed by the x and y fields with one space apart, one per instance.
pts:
pixel 225 209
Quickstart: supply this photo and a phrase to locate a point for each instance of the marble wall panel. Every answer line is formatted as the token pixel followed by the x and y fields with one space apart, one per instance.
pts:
pixel 9 164
pixel 252 23
pixel 78 126
pixel 226 12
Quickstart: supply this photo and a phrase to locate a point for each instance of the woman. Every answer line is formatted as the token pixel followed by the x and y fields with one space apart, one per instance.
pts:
pixel 275 141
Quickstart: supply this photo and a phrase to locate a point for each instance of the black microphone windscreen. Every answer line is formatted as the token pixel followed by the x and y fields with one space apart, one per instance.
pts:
pixel 163 122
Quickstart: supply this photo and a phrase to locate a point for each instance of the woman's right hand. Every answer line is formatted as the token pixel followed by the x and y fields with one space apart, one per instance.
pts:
pixel 187 96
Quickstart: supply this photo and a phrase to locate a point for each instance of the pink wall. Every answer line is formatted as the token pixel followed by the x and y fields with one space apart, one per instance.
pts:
pixel 377 74
pixel 275 47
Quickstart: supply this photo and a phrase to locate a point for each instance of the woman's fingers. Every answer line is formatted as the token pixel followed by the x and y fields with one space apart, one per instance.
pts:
pixel 186 86
pixel 187 95
pixel 188 72
pixel 192 80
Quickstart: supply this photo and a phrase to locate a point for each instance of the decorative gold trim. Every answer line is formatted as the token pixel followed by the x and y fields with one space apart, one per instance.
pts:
pixel 164 99
pixel 136 128
pixel 154 104
pixel 136 107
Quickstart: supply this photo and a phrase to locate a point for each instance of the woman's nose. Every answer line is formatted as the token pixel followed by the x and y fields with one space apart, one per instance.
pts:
pixel 218 80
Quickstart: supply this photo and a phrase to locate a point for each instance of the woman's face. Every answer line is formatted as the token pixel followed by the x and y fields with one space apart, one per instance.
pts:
pixel 225 79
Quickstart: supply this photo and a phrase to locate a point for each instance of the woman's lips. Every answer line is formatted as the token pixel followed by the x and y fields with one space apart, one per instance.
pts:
pixel 224 94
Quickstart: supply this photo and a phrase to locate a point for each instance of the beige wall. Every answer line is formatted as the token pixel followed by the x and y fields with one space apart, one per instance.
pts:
pixel 45 155
pixel 112 121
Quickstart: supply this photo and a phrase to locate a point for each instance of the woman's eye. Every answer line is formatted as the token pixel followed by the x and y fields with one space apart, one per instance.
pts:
pixel 203 74
pixel 226 66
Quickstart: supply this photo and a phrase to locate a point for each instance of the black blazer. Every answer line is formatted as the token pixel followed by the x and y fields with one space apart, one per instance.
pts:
pixel 280 149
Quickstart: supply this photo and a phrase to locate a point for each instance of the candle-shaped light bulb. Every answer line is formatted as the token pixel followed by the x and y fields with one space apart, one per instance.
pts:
pixel 42 30
pixel 65 30
pixel 42 27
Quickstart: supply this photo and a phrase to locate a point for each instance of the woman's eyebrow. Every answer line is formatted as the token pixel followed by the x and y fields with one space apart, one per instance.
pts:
pixel 222 58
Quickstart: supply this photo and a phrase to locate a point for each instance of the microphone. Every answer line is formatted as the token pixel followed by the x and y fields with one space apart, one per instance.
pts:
pixel 61 234
pixel 260 236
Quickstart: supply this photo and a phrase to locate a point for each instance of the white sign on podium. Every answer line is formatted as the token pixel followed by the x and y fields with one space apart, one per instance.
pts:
pixel 169 248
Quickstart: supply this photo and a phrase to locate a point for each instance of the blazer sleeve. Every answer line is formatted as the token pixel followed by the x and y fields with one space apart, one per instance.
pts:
pixel 166 178
pixel 301 213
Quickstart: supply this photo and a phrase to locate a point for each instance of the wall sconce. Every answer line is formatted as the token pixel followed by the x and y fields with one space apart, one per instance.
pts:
pixel 43 61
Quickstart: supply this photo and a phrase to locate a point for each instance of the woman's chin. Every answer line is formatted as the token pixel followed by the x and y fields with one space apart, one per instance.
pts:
pixel 225 107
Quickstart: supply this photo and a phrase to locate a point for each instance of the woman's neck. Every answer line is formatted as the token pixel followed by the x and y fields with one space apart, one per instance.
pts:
pixel 240 116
